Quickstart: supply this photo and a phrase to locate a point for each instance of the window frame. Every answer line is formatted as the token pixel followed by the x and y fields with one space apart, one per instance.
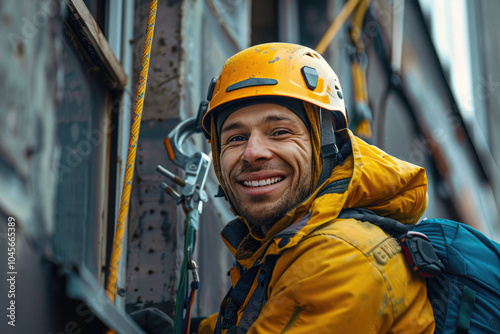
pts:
pixel 96 53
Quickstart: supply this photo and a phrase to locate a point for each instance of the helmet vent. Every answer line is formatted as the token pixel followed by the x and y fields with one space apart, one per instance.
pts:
pixel 252 82
pixel 312 55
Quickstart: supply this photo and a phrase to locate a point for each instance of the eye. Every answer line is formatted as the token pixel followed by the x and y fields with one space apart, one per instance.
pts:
pixel 280 132
pixel 236 138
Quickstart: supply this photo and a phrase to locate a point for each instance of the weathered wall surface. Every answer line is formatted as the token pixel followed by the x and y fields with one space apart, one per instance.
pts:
pixel 30 88
pixel 153 257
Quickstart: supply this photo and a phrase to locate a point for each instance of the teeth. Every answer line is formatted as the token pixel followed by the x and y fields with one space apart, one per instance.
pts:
pixel 261 183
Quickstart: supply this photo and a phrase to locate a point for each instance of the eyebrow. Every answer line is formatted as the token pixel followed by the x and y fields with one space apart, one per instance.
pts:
pixel 267 119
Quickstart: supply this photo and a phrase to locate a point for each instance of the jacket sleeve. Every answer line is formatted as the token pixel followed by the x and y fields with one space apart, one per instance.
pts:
pixel 326 285
pixel 207 325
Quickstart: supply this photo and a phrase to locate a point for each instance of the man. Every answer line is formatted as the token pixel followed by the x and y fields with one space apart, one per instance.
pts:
pixel 288 165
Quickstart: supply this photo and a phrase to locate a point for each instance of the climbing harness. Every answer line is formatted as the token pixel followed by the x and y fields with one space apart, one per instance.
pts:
pixel 196 167
pixel 129 167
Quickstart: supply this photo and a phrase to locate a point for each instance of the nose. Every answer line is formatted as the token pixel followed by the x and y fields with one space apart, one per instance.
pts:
pixel 256 149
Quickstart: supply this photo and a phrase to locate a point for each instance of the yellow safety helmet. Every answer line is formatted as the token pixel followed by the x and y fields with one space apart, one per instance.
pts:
pixel 276 70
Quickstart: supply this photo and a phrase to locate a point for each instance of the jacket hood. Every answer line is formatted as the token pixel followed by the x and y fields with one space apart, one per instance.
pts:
pixel 376 181
pixel 369 178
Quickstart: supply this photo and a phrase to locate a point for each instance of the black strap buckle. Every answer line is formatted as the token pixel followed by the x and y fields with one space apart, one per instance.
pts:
pixel 230 316
pixel 420 254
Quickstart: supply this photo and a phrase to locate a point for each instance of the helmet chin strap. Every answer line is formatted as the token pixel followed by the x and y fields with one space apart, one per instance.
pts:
pixel 329 149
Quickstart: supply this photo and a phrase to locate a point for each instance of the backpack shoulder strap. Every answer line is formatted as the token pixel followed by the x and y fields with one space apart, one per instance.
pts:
pixel 259 296
pixel 388 225
pixel 237 296
pixel 418 249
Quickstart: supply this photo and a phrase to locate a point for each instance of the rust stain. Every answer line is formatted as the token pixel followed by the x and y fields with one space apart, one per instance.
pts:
pixel 19 53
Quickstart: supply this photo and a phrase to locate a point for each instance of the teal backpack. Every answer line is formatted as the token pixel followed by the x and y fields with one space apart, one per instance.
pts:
pixel 461 266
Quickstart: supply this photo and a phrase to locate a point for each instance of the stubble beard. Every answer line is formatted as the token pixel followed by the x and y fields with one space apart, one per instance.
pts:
pixel 264 220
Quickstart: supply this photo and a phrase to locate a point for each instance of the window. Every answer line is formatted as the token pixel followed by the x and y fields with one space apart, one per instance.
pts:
pixel 86 132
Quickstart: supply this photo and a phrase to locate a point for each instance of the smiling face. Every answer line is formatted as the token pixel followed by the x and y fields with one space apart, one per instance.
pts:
pixel 266 162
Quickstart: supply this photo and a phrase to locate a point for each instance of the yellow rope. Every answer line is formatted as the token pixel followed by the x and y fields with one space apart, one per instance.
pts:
pixel 129 168
pixel 357 22
pixel 344 14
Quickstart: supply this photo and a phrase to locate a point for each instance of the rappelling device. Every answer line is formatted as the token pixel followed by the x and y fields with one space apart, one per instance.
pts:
pixel 192 196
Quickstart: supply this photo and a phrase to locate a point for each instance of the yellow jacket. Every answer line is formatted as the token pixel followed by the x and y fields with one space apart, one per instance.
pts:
pixel 341 275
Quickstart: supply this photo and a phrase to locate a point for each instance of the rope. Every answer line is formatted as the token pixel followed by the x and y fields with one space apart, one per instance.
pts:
pixel 344 14
pixel 187 326
pixel 129 169
pixel 357 24
pixel 182 290
pixel 362 114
